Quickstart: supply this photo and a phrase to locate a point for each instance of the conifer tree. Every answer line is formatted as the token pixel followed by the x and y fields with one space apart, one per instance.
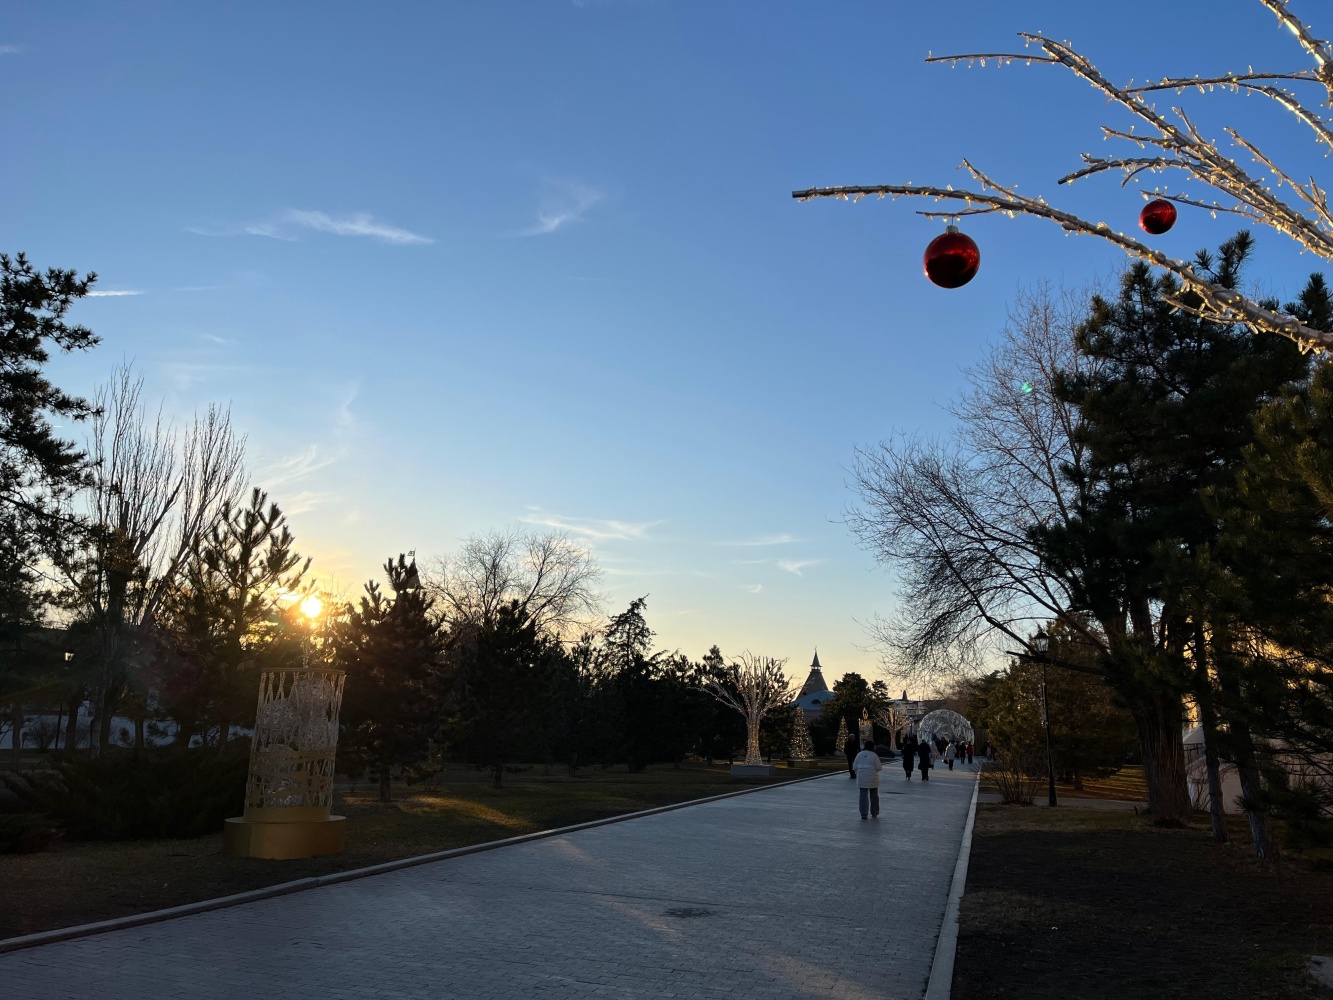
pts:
pixel 393 652
pixel 800 748
pixel 840 740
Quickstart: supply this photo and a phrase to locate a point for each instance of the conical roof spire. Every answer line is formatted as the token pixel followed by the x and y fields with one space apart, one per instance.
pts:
pixel 815 682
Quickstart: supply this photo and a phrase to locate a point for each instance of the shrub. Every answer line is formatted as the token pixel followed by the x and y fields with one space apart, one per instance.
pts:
pixel 144 794
pixel 1015 775
pixel 26 833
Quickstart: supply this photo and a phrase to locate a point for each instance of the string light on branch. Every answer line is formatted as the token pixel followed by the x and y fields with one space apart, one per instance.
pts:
pixel 952 259
pixel 1157 217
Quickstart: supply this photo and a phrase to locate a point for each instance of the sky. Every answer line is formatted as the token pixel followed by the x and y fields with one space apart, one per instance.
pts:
pixel 457 267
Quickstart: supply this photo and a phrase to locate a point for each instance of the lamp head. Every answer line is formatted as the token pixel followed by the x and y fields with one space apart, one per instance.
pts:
pixel 1041 642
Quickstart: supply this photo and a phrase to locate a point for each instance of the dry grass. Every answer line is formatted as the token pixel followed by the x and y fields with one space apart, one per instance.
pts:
pixel 1085 903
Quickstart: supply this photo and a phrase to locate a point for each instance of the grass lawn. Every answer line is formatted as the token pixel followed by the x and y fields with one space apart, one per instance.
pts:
pixel 1125 785
pixel 1081 903
pixel 79 882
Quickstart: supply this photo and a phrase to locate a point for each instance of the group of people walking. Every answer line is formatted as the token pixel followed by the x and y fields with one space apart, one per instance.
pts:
pixel 864 765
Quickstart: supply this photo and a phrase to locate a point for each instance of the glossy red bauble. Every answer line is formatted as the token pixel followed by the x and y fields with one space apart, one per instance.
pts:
pixel 951 260
pixel 1157 217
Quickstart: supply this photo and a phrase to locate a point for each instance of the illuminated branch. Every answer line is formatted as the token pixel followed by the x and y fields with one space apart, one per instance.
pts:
pixel 755 687
pixel 1177 145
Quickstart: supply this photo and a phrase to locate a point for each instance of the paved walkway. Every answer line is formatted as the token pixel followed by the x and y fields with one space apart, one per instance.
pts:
pixel 782 893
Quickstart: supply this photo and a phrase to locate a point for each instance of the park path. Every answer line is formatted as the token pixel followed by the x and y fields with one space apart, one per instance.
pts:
pixel 782 893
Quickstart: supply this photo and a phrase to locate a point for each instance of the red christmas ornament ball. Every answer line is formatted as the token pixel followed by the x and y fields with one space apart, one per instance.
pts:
pixel 1157 217
pixel 951 260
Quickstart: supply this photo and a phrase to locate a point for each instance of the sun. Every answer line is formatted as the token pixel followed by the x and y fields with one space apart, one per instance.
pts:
pixel 311 607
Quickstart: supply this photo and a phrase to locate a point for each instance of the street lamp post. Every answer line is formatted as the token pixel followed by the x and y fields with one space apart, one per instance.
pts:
pixel 1041 643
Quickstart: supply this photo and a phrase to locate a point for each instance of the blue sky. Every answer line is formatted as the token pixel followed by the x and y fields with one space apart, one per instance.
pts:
pixel 462 266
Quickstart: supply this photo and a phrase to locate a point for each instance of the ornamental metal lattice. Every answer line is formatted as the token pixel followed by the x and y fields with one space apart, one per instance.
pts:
pixel 943 722
pixel 296 738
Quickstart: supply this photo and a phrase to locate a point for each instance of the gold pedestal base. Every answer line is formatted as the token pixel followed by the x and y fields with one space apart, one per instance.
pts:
pixel 242 838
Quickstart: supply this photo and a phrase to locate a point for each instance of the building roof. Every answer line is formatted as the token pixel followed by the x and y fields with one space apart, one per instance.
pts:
pixel 815 682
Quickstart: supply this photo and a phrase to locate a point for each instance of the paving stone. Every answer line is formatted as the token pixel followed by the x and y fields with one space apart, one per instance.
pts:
pixel 759 897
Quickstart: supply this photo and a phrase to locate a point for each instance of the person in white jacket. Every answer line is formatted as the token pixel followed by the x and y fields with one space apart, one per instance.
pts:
pixel 867 765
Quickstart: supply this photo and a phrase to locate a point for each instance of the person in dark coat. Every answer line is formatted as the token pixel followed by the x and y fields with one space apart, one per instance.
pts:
pixel 969 751
pixel 851 748
pixel 909 755
pixel 923 751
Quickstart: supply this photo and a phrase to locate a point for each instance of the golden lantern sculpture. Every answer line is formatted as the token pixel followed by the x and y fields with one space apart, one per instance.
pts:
pixel 289 791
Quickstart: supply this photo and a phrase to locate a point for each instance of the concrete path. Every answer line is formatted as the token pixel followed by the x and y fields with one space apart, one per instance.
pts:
pixel 783 893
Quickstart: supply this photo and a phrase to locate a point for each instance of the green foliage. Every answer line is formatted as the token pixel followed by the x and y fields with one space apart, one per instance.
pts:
pixel 32 321
pixel 224 618
pixel 393 702
pixel 505 677
pixel 141 794
pixel 1091 733
pixel 853 693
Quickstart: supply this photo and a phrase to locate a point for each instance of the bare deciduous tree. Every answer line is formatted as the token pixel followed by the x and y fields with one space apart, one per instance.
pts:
pixel 962 519
pixel 956 517
pixel 755 686
pixel 154 493
pixel 552 579
pixel 1173 143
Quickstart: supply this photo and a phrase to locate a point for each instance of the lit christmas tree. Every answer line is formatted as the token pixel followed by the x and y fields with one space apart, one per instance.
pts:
pixel 800 748
pixel 841 740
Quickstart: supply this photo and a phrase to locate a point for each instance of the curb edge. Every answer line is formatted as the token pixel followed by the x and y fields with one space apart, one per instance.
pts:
pixel 940 984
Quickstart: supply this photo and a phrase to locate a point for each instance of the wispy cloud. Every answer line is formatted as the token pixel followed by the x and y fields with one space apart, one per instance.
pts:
pixel 753 588
pixel 304 500
pixel 9 50
pixel 595 528
pixel 766 540
pixel 796 565
pixel 562 202
pixel 290 224
pixel 112 293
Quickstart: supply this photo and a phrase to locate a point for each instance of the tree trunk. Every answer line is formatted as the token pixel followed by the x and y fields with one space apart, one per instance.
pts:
pixel 1241 744
pixel 497 774
pixel 72 724
pixel 139 731
pixel 385 791
pixel 16 741
pixel 104 723
pixel 1208 726
pixel 1158 719
pixel 752 755
pixel 1252 794
pixel 1216 803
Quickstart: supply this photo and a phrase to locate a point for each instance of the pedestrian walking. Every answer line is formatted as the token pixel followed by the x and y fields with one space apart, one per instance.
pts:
pixel 867 779
pixel 850 749
pixel 923 752
pixel 950 754
pixel 909 755
pixel 969 752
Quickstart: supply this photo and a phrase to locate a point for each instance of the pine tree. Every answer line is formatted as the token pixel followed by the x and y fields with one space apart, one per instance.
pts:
pixel 801 748
pixel 393 652
pixel 840 740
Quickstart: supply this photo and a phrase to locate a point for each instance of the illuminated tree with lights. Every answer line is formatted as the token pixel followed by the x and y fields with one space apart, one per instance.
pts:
pixel 800 748
pixel 756 687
